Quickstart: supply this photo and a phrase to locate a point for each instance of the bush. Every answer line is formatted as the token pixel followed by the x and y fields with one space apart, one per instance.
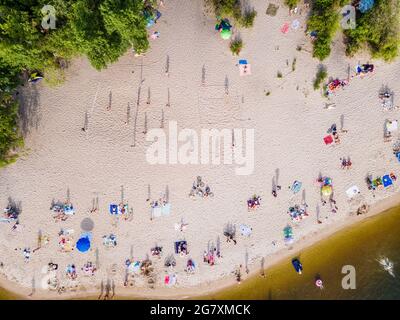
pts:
pixel 377 29
pixel 247 19
pixel 9 134
pixel 321 75
pixel 232 8
pixel 236 46
pixel 324 20
pixel 291 3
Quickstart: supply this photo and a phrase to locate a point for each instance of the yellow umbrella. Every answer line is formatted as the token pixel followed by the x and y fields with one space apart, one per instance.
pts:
pixel 326 190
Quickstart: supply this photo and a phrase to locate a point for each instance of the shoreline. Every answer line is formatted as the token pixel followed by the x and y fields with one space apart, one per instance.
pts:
pixel 221 284
pixel 203 89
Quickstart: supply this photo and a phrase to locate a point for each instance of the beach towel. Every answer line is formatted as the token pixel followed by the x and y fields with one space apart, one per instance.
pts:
pixel 113 209
pixel 245 230
pixel 391 126
pixel 398 156
pixel 296 186
pixel 244 69
pixel 155 35
pixel 134 267
pixel 242 61
pixel 295 24
pixel 285 28
pixel 156 212
pixel 166 209
pixel 387 181
pixel 352 191
pixel 179 245
pixel 328 140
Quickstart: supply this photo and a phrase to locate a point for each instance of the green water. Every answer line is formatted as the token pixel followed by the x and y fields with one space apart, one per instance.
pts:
pixel 358 246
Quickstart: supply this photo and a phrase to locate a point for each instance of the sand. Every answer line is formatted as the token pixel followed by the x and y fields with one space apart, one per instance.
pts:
pixel 290 123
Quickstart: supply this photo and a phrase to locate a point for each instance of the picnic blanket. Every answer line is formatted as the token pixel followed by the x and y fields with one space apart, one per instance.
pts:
pixel 244 69
pixel 387 181
pixel 245 230
pixel 296 186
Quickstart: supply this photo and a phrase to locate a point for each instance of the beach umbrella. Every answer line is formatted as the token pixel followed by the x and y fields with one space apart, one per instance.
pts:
pixel 226 34
pixel 326 190
pixel 352 191
pixel 83 244
pixel 365 5
pixel 328 139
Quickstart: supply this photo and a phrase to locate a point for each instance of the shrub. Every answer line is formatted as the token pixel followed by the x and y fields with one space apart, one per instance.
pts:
pixel 247 19
pixel 324 20
pixel 291 3
pixel 9 134
pixel 377 29
pixel 236 46
pixel 232 8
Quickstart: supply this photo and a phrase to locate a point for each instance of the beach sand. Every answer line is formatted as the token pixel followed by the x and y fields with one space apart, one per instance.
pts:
pixel 289 123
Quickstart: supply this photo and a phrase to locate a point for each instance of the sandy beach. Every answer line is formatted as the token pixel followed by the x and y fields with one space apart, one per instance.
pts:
pixel 190 76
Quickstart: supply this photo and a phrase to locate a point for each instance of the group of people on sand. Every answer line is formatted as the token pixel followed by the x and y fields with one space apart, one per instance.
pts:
pixel 200 189
pixel 62 210
pixel 346 163
pixel 253 203
pixel 210 255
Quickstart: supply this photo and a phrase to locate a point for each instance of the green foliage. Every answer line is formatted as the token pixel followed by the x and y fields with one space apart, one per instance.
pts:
pixel 247 18
pixel 324 20
pixel 103 30
pixel 236 46
pixel 378 29
pixel 9 135
pixel 233 8
pixel 321 75
pixel 291 3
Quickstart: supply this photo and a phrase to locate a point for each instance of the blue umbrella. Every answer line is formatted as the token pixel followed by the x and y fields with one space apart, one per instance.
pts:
pixel 83 244
pixel 365 5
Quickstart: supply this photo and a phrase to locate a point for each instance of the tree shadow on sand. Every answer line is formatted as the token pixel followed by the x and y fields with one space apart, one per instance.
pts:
pixel 29 115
